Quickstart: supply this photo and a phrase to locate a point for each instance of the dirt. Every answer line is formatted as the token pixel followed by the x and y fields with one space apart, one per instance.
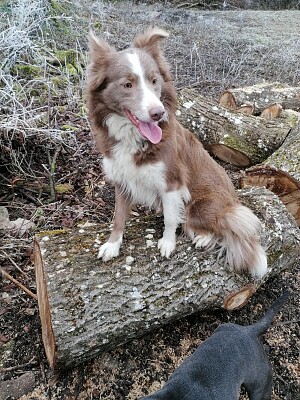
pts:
pixel 209 50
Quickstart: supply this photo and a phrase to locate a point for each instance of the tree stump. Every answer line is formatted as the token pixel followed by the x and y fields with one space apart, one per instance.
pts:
pixel 280 173
pixel 232 136
pixel 265 94
pixel 88 306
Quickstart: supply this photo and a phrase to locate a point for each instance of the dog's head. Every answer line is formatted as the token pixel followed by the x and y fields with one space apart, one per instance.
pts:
pixel 135 82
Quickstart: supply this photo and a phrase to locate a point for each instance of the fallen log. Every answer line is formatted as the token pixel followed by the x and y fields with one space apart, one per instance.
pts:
pixel 232 136
pixel 280 173
pixel 265 94
pixel 87 306
pixel 15 388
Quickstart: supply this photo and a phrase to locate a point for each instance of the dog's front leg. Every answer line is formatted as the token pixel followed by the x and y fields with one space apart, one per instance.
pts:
pixel 111 248
pixel 173 208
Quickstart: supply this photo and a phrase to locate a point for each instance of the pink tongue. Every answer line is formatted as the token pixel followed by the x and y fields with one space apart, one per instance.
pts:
pixel 151 131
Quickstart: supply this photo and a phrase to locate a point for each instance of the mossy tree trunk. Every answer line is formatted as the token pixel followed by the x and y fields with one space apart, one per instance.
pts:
pixel 87 306
pixel 232 136
pixel 280 173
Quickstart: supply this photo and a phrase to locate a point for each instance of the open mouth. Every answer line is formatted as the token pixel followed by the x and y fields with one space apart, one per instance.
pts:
pixel 150 130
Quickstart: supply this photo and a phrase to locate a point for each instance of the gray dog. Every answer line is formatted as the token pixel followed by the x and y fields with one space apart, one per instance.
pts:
pixel 233 356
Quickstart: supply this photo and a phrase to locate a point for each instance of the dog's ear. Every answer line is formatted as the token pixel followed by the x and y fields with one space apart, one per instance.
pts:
pixel 101 54
pixel 150 41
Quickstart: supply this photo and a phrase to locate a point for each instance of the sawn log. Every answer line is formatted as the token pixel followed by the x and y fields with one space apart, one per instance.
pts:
pixel 232 136
pixel 88 306
pixel 280 173
pixel 264 94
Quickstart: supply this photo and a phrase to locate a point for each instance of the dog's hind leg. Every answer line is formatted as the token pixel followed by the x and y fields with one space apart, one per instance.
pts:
pixel 173 207
pixel 111 248
pixel 262 388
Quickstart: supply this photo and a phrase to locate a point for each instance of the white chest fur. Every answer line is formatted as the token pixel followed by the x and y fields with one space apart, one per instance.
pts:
pixel 144 183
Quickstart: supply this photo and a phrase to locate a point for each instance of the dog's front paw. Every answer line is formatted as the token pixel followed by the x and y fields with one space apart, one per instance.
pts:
pixel 166 247
pixel 202 241
pixel 109 250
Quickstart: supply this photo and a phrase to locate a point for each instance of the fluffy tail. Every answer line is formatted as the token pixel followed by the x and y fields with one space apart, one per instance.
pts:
pixel 263 324
pixel 240 229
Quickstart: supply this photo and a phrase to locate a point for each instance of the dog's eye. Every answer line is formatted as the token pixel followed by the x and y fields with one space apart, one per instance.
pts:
pixel 154 81
pixel 128 85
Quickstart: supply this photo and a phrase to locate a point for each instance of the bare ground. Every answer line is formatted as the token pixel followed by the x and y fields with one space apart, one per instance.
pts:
pixel 210 51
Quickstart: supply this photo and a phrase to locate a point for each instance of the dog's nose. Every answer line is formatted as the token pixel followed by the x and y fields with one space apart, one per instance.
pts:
pixel 156 113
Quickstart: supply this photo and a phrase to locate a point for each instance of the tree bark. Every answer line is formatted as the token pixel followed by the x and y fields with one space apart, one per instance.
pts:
pixel 280 173
pixel 87 306
pixel 263 95
pixel 232 136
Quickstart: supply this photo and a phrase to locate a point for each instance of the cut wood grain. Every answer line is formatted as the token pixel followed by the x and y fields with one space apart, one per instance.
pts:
pixel 88 306
pixel 230 135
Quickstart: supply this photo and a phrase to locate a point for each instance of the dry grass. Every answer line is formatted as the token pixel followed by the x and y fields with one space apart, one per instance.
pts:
pixel 34 83
pixel 208 51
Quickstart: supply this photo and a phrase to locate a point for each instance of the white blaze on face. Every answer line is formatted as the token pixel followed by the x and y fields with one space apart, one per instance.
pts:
pixel 149 98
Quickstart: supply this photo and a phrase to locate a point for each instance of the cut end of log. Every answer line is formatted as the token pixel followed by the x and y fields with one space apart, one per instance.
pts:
pixel 279 182
pixel 229 155
pixel 247 109
pixel 238 299
pixel 44 309
pixel 227 100
pixel 272 111
pixel 264 95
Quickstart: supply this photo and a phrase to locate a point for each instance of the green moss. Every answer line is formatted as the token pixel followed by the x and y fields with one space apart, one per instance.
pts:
pixel 5 351
pixel 68 128
pixel 59 81
pixel 62 109
pixel 26 71
pixel 57 8
pixel 247 148
pixel 71 62
pixel 292 120
pixel 55 232
pixel 97 25
pixel 63 188
pixel 65 57
pixel 61 27
pixel 71 70
pixel 83 110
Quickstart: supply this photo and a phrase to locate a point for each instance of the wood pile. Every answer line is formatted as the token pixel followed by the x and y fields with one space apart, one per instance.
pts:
pixel 239 131
pixel 87 306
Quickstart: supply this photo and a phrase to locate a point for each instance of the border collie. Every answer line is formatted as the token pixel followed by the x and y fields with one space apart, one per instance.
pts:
pixel 152 160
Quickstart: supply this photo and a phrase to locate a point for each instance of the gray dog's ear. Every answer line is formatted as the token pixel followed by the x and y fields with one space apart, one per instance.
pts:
pixel 102 55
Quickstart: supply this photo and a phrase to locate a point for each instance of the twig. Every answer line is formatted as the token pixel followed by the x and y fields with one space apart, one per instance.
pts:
pixel 21 366
pixel 17 283
pixel 51 173
pixel 293 321
pixel 15 264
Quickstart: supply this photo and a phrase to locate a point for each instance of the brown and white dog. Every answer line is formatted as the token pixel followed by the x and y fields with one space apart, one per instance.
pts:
pixel 152 160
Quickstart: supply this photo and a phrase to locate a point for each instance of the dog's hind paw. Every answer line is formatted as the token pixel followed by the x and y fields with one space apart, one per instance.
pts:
pixel 109 250
pixel 166 247
pixel 202 241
